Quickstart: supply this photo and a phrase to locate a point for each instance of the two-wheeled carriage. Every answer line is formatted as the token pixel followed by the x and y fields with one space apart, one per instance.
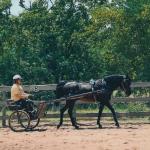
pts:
pixel 21 120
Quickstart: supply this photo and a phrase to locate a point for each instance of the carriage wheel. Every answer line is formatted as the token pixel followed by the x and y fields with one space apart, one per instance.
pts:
pixel 34 120
pixel 19 121
pixel 34 123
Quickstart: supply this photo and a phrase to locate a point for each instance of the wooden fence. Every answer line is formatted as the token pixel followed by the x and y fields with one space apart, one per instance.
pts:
pixel 52 87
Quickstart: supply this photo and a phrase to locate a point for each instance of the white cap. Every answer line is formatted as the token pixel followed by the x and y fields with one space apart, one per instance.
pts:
pixel 17 76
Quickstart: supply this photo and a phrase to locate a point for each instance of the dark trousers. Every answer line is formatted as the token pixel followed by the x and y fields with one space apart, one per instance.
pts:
pixel 25 104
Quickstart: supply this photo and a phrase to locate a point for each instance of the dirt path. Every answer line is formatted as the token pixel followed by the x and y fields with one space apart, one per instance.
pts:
pixel 128 137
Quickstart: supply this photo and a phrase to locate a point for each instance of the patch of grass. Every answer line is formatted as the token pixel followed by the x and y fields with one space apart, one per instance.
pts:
pixel 137 107
pixel 119 107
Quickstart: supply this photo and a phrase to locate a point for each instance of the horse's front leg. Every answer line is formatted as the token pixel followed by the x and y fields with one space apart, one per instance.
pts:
pixel 101 107
pixel 62 110
pixel 114 114
pixel 70 112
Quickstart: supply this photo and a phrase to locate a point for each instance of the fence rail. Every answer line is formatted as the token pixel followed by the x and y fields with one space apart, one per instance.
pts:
pixel 52 87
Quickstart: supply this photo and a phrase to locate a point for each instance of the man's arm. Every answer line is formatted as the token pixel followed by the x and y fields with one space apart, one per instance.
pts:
pixel 20 94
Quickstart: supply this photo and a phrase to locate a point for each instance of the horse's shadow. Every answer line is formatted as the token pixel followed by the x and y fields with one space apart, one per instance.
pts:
pixel 92 126
pixel 95 127
pixel 104 128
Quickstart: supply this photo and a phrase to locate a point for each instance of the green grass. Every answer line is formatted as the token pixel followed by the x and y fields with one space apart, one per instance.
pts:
pixel 93 108
pixel 120 107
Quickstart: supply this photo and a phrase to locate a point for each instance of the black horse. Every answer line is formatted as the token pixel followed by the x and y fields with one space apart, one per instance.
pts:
pixel 105 87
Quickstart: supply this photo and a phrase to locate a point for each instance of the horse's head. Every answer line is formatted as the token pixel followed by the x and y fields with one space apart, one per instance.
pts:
pixel 126 85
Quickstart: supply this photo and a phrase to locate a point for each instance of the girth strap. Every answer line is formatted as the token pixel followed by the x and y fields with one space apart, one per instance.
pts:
pixel 92 82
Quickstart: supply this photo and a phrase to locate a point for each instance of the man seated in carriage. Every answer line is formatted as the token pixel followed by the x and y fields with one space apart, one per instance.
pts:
pixel 19 96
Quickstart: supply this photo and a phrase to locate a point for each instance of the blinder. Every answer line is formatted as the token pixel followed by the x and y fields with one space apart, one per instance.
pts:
pixel 123 84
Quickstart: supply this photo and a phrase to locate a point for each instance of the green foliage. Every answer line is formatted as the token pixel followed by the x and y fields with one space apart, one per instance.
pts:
pixel 74 40
pixel 4 5
pixel 136 107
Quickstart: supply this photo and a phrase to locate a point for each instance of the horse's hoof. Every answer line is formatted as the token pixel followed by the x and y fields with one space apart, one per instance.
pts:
pixel 100 126
pixel 117 125
pixel 76 127
pixel 58 126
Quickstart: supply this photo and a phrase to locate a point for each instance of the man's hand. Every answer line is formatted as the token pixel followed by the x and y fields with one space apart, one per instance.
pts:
pixel 30 96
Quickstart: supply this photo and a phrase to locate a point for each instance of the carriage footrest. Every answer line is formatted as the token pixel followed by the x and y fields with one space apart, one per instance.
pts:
pixel 41 109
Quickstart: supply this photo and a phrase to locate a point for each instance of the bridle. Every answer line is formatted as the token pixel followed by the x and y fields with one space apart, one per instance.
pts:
pixel 122 85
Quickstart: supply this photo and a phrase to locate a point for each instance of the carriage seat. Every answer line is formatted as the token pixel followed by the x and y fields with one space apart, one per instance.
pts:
pixel 12 106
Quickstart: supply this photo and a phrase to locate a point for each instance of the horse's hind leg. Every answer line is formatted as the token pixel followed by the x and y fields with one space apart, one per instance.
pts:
pixel 62 110
pixel 70 112
pixel 101 107
pixel 114 113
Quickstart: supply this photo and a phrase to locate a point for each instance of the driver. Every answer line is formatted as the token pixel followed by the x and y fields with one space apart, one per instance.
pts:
pixel 19 96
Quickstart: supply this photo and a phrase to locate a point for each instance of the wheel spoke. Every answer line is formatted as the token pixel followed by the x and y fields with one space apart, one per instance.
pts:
pixel 19 120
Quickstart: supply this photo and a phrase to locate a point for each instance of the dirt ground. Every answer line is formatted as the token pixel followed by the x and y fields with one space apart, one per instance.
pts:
pixel 128 137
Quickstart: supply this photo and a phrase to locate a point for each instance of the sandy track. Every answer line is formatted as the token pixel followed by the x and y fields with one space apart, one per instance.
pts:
pixel 128 137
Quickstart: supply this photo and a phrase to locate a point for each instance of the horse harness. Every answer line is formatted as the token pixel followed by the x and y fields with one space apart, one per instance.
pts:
pixel 94 92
